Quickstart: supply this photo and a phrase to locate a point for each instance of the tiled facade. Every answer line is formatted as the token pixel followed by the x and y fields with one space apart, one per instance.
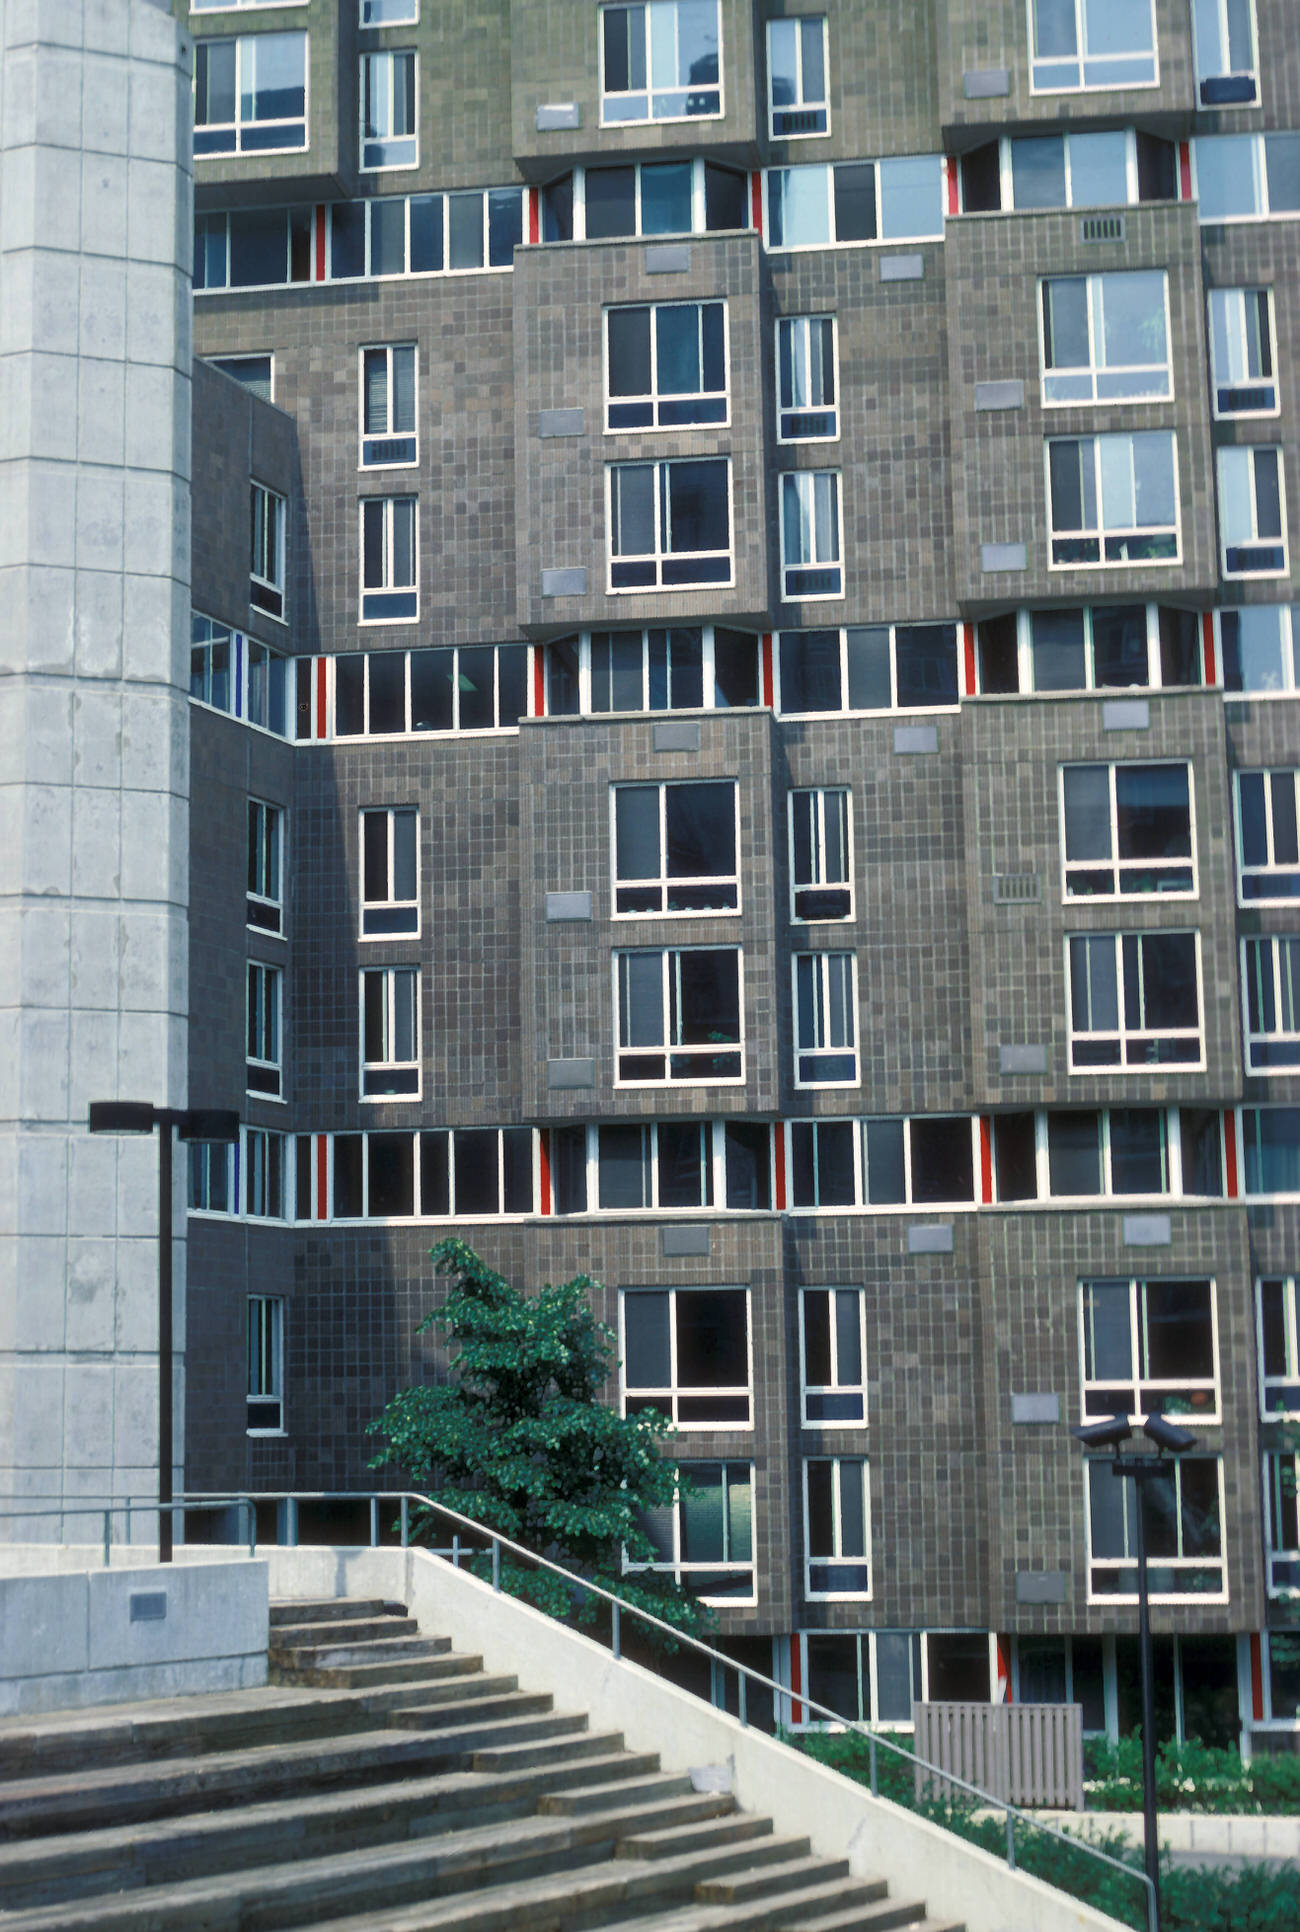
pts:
pixel 963 928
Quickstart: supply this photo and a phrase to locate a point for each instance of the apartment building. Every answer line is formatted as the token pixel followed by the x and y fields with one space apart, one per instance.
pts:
pixel 745 740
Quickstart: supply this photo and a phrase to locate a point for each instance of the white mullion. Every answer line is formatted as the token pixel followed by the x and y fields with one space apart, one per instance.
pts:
pixel 1131 166
pixel 1042 1166
pixel 697 207
pixel 1174 1146
pixel 1024 651
pixel 1155 672
pixel 907 1159
pixel 579 202
pixel 1096 337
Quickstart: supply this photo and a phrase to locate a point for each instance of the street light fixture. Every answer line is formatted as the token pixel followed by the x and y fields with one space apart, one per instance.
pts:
pixel 1141 1470
pixel 193 1123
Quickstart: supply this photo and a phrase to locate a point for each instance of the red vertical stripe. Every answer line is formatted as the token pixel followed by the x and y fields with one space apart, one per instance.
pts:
pixel 544 1171
pixel 769 696
pixel 322 1199
pixel 320 697
pixel 1230 1150
pixel 756 199
pixel 778 1132
pixel 320 243
pixel 539 681
pixel 534 232
pixel 986 1160
pixel 1207 638
pixel 1185 169
pixel 796 1676
pixel 968 640
pixel 950 171
pixel 1004 1671
pixel 1257 1677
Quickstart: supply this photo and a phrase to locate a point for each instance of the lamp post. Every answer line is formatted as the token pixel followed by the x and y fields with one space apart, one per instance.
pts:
pixel 193 1123
pixel 1141 1470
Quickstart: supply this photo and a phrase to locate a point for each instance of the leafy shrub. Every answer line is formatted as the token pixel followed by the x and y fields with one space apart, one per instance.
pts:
pixel 1190 1777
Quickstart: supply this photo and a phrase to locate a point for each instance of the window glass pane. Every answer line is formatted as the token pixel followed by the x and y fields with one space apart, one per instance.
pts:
pixel 645 1341
pixel 1119 646
pixel 1058 650
pixel 629 352
pixel 1038 171
pixel 942 1162
pixel 665 198
pixel 712 1344
pixel 855 201
pixel 1098 170
pixel 465 231
pixel 911 198
pixel 623 1167
pixel 1074 1153
pixel 611 202
pixel 884 1179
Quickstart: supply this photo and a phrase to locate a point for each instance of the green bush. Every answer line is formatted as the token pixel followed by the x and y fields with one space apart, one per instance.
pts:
pixel 1190 1777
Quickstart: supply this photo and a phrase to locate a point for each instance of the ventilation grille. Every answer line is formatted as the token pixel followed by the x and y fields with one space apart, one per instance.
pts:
pixel 1102 228
pixel 1016 889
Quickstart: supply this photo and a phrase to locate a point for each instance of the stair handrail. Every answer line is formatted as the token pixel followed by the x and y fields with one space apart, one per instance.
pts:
pixel 108 1511
pixel 619 1606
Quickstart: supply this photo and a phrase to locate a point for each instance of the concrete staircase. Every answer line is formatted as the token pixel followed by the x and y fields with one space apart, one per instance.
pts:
pixel 382 1783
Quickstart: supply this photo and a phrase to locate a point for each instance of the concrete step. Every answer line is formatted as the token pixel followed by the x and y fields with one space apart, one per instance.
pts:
pixel 428 1715
pixel 352 1630
pixel 883 1915
pixel 725 1829
pixel 340 1656
pixel 661 1784
pixel 773 1865
pixel 507 1757
pixel 402 1670
pixel 330 1609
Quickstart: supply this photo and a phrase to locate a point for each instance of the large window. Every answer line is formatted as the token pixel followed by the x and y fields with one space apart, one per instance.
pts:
pixel 264 1073
pixel 837 1527
pixel 686 1353
pixel 266 547
pixel 1089 170
pixel 798 102
pixel 1127 830
pixel 1134 1001
pixel 1252 512
pixel 265 1365
pixel 1113 499
pixel 1260 647
pixel 659 61
pixel 1092 43
pixel 388 124
pixel 1243 374
pixel 1224 32
pixel 679 1015
pixel 390 871
pixel 264 1173
pixel 832 1357
pixel 1099 648
pixel 264 906
pixel 669 524
pixel 1282 1522
pixel 1184 1531
pixel 675 848
pixel 388 13
pixel 1268 837
pixel 821 855
pixel 820 205
pixel 705 1540
pixel 250 94
pixel 1106 338
pixel 806 379
pixel 1278 1306
pixel 464 687
pixel 924 1161
pixel 681 197
pixel 1271 1149
pixel 661 1165
pixel 389 581
pixel 1150 1345
pixel 1247 177
pixel 1270 975
pixel 825 1019
pixel 466 1173
pixel 686 668
pixel 873 667
pixel 666 365
pixel 390 1032
pixel 1124 1151
pixel 388 432
pixel 811 546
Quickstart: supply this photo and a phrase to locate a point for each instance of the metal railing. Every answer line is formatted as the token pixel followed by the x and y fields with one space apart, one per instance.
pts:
pixel 107 1514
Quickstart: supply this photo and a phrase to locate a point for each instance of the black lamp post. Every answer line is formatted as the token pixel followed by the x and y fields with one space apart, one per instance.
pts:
pixel 1141 1470
pixel 194 1123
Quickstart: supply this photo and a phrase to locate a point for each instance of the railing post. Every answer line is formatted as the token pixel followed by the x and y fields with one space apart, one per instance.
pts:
pixel 1011 1839
pixel 374 1522
pixel 742 1699
pixel 455 1549
pixel 128 1522
pixel 250 1519
pixel 614 1643
pixel 874 1757
pixel 406 1520
pixel 291 1522
pixel 108 1537
pixel 496 1562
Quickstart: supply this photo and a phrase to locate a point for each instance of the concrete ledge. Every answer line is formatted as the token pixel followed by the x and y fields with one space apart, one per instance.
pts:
pixel 1210 1832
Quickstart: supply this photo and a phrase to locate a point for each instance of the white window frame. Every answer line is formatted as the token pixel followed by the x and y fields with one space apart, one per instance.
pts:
pixel 1163 1392
pixel 264 1173
pixel 1271 866
pixel 816 974
pixel 708 684
pixel 264 1030
pixel 1104 534
pixel 266 569
pixel 821 540
pixel 1287 1408
pixel 1118 864
pixel 1233 302
pixel 1083 60
pixel 799 105
pixel 661 511
pixel 1288 634
pixel 1281 952
pixel 392 60
pixel 1244 459
pixel 847 1391
pixel 880 239
pixel 663 882
pixel 1153 681
pixel 669 1396
pixel 858 1124
pixel 1128 1560
pixel 1096 369
pixel 650 118
pixel 227 366
pixel 1007 179
pixel 388 589
pixel 667 1048
pixel 655 398
pixel 373 442
pixel 1126 1033
pixel 1257 146
pixel 682 1569
pixel 1254 1153
pixel 1281 1471
pixel 233 6
pixel 266 841
pixel 387 1064
pixel 816 803
pixel 389 906
pixel 264 1350
pixel 800 329
pixel 1218 98
pixel 835 1559
pixel 384 13
pixel 408 730
pixel 894 705
pixel 246 46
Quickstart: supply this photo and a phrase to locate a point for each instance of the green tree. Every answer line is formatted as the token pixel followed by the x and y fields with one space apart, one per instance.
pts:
pixel 518 1439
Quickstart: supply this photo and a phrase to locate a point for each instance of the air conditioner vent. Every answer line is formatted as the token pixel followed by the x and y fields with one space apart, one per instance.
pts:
pixel 1102 228
pixel 1016 889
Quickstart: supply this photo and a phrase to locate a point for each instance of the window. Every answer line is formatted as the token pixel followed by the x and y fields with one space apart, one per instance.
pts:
pixel 1121 1151
pixel 1094 170
pixel 925 1161
pixel 1247 177
pixel 705 1540
pixel 680 197
pixel 1224 34
pixel 825 1019
pixel 1260 648
pixel 1092 43
pixel 1270 973
pixel 686 1353
pixel 679 1015
pixel 807 384
pixel 659 61
pixel 687 668
pixel 1106 338
pixel 228 6
pixel 265 989
pixel 1113 499
pixel 662 1164
pixel 1282 1522
pixel 1128 830
pixel 265 1365
pixel 388 560
pixel 837 1523
pixel 873 1677
pixel 1134 1001
pixel 390 872
pixel 266 566
pixel 1271 1142
pixel 264 1174
pixel 675 848
pixel 1184 1531
pixel 820 205
pixel 250 94
pixel 796 74
pixel 388 434
pixel 1150 1345
pixel 832 1357
pixel 1278 1309
pixel 875 667
pixel 265 902
pixel 669 524
pixel 389 13
pixel 211 1166
pixel 444 234
pixel 810 535
pixel 235 674
pixel 468 1171
pixel 666 365
pixel 465 687
pixel 254 372
pixel 388 125
pixel 1268 849
pixel 1252 512
pixel 821 855
pixel 390 1032
pixel 1105 647
pixel 1243 374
